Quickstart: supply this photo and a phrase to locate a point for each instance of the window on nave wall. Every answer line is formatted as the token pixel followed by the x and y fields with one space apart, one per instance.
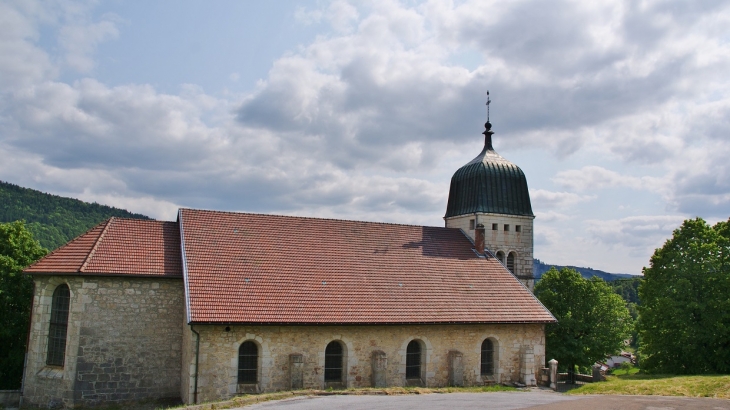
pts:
pixel 58 326
pixel 248 361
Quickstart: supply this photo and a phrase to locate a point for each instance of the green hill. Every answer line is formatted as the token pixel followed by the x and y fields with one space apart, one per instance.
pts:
pixel 53 220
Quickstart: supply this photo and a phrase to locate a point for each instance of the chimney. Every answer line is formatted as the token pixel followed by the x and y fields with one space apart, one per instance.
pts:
pixel 479 238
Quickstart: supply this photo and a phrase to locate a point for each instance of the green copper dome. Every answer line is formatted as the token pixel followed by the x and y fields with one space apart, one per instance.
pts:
pixel 490 184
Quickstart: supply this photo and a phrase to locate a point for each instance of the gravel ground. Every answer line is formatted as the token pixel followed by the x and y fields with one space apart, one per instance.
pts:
pixel 535 399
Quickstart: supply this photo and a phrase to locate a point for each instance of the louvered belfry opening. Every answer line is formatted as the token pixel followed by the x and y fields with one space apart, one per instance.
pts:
pixel 58 326
pixel 333 362
pixel 511 262
pixel 487 358
pixel 248 360
pixel 500 256
pixel 413 360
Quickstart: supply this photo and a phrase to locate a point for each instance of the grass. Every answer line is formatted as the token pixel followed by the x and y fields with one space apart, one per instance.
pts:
pixel 249 399
pixel 624 372
pixel 716 386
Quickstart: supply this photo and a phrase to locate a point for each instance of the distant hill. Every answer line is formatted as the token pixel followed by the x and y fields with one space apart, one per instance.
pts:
pixel 622 283
pixel 53 220
pixel 538 267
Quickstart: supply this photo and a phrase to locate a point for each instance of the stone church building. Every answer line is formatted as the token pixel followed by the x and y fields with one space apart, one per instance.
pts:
pixel 219 303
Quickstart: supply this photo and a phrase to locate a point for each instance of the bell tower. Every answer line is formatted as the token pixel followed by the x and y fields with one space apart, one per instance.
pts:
pixel 491 191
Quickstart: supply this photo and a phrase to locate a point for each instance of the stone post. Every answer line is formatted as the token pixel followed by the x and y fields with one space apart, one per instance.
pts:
pixel 380 365
pixel 527 366
pixel 597 376
pixel 553 374
pixel 456 368
pixel 296 371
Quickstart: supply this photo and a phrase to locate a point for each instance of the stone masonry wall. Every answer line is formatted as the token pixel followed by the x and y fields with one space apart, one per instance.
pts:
pixel 219 353
pixel 123 342
pixel 498 240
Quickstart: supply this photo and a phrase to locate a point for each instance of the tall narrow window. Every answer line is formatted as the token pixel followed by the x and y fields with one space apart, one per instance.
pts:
pixel 333 362
pixel 248 363
pixel 500 256
pixel 59 325
pixel 511 262
pixel 487 358
pixel 413 360
pixel 471 225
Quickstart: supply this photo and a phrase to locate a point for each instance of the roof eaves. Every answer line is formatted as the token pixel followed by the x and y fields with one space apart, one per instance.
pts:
pixel 106 274
pixel 542 321
pixel 96 245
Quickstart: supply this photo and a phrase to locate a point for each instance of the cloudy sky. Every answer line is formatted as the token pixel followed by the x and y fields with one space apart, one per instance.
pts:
pixel 618 112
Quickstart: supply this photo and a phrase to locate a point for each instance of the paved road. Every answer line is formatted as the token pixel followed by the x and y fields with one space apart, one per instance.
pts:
pixel 536 399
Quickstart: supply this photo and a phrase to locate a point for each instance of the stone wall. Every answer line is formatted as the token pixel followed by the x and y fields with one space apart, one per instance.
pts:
pixel 218 358
pixel 506 241
pixel 123 342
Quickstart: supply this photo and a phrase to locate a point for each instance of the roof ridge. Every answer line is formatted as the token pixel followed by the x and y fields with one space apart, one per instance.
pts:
pixel 313 218
pixel 62 246
pixel 96 244
pixel 126 218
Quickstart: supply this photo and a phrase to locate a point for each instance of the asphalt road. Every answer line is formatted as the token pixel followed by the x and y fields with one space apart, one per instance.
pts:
pixel 535 399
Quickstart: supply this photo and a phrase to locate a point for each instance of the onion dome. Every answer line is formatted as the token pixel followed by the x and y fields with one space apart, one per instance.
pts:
pixel 489 184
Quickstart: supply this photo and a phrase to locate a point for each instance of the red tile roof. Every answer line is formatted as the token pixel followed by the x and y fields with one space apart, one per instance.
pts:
pixel 118 246
pixel 249 268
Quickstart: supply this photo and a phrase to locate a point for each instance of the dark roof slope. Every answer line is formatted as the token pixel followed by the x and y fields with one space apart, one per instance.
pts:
pixel 118 246
pixel 491 184
pixel 249 268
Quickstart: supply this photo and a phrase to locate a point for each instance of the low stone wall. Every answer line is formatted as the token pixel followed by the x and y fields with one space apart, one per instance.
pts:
pixel 218 359
pixel 9 398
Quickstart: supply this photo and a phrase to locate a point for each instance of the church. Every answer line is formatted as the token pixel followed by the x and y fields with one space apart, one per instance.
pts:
pixel 216 304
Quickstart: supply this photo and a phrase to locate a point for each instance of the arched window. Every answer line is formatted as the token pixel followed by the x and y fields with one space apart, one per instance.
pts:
pixel 333 362
pixel 59 325
pixel 248 363
pixel 511 262
pixel 487 358
pixel 413 360
pixel 500 256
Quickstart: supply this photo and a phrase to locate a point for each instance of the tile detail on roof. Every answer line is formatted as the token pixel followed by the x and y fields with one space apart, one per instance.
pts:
pixel 250 268
pixel 118 246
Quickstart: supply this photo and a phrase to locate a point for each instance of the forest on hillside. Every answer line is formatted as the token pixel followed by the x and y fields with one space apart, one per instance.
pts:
pixel 53 220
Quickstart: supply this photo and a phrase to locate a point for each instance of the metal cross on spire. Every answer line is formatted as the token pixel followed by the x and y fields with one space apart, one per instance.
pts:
pixel 488 102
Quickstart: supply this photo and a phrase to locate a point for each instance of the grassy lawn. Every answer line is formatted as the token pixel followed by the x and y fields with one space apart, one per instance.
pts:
pixel 716 386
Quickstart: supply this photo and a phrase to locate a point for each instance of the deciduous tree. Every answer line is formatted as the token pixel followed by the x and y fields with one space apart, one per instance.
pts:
pixel 593 321
pixel 685 302
pixel 18 249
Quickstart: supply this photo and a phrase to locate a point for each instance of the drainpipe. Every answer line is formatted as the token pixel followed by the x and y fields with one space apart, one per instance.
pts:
pixel 197 354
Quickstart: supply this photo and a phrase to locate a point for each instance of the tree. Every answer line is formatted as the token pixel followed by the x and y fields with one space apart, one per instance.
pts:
pixel 18 249
pixel 593 321
pixel 685 302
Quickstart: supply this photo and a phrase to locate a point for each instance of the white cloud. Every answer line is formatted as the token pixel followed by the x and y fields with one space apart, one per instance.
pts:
pixel 594 177
pixel 640 234
pixel 23 62
pixel 542 198
pixel 80 41
pixel 367 120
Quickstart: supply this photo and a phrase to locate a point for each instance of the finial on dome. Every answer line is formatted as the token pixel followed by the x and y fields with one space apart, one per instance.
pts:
pixel 488 127
pixel 488 102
